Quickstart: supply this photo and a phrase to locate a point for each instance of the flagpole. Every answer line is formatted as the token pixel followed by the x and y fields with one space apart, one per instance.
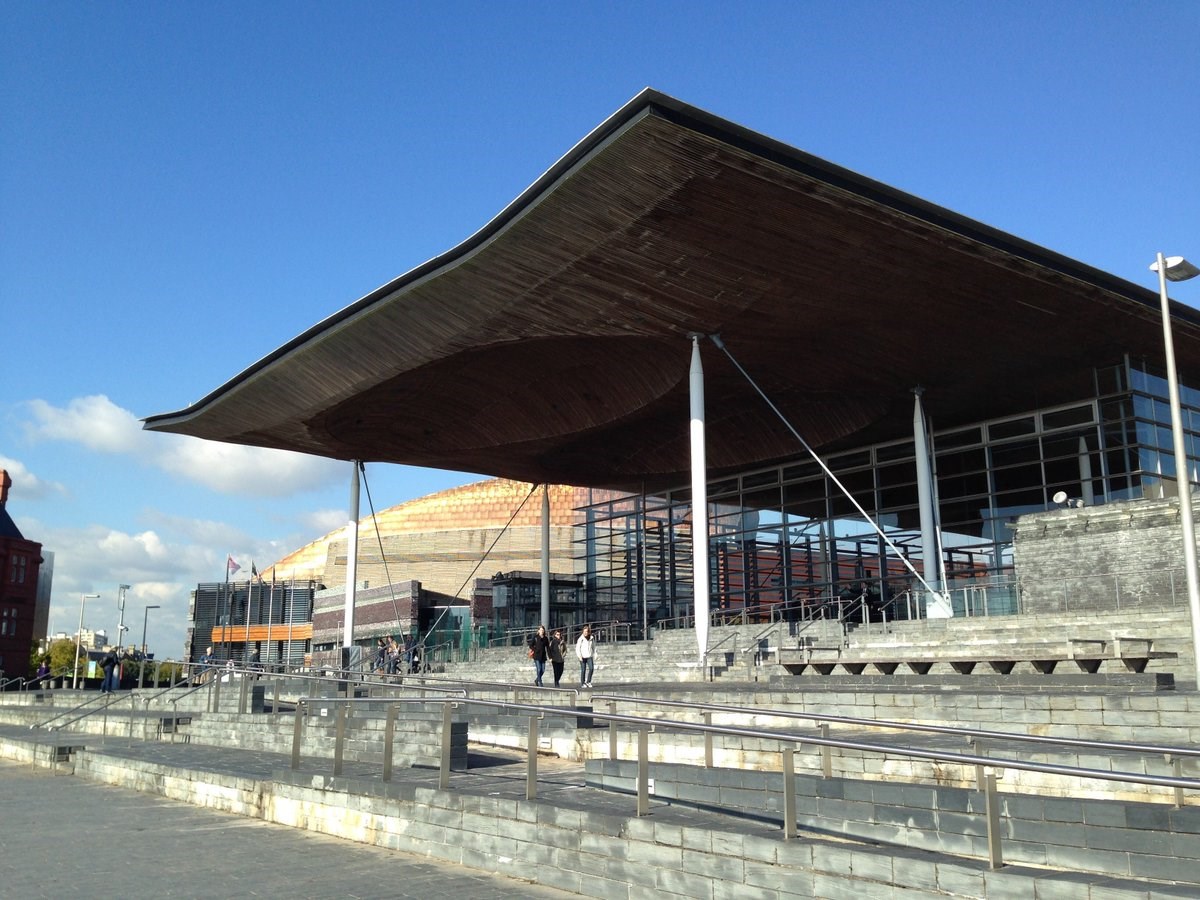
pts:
pixel 249 598
pixel 228 612
pixel 270 612
pixel 291 615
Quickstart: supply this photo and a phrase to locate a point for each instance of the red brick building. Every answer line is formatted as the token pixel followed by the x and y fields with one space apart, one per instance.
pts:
pixel 20 564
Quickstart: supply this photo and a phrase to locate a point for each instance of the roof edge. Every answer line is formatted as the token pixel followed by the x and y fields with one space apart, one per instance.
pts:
pixel 652 102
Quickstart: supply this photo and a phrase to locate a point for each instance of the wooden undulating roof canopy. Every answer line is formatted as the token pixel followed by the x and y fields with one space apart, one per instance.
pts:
pixel 552 346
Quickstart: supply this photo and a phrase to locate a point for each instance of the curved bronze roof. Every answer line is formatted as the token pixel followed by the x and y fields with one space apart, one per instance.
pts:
pixel 552 346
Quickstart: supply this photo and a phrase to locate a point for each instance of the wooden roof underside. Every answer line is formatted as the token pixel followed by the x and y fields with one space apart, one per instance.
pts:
pixel 553 346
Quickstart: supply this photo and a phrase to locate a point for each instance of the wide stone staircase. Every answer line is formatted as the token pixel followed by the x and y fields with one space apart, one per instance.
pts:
pixel 751 652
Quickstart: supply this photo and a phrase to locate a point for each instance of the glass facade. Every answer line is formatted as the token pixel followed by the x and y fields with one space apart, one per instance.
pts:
pixel 787 538
pixel 244 606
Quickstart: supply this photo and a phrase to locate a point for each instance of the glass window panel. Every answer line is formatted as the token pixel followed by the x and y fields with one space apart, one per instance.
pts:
pixel 1063 473
pixel 889 452
pixel 958 461
pixel 1148 460
pixel 968 485
pixel 759 479
pixel 1018 477
pixel 861 484
pixel 1167 461
pixel 840 505
pixel 903 473
pixel 1119 488
pixel 1111 380
pixel 806 499
pixel 850 461
pixel 1118 461
pixel 960 438
pixel 893 497
pixel 959 513
pixel 1027 498
pixel 1066 445
pixel 1011 428
pixel 1137 379
pixel 1162 411
pixel 724 488
pixel 1156 384
pixel 808 469
pixel 1016 453
pixel 766 498
pixel 1064 418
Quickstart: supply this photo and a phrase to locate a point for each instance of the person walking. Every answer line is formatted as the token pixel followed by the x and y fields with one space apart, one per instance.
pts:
pixel 109 664
pixel 585 649
pixel 539 649
pixel 558 647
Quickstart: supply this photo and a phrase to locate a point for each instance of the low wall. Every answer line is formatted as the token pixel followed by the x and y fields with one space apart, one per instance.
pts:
pixel 1122 839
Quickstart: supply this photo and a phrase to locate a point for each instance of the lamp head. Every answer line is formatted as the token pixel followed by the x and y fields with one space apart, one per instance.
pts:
pixel 1176 268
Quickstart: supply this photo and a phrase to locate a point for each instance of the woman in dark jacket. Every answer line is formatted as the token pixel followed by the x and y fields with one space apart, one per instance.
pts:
pixel 539 648
pixel 557 646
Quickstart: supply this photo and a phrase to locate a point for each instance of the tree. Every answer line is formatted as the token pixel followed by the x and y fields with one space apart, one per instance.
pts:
pixel 61 654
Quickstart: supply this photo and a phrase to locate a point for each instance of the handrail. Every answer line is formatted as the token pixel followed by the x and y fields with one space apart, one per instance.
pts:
pixel 507 685
pixel 20 679
pixel 110 698
pixel 784 739
pixel 957 731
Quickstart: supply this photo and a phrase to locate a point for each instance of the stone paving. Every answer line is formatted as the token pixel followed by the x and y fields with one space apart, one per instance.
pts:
pixel 64 836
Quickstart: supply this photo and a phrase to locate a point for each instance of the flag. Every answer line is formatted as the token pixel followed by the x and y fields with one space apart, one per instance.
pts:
pixel 231 566
pixel 254 570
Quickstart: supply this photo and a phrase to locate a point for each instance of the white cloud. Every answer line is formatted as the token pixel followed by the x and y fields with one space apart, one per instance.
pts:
pixel 98 424
pixel 162 566
pixel 323 521
pixel 26 485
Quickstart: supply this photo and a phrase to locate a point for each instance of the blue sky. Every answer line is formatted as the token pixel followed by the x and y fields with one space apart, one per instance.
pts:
pixel 186 186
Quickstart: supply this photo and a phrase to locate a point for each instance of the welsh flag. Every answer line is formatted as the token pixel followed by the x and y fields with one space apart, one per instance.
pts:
pixel 231 565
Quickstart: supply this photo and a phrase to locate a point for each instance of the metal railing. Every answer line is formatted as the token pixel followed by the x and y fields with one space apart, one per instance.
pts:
pixel 787 742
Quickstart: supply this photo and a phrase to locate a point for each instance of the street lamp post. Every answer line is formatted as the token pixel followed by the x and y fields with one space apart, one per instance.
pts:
pixel 1176 268
pixel 142 664
pixel 83 599
pixel 121 627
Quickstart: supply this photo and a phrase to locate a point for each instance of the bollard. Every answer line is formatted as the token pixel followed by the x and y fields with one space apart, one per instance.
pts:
pixel 612 730
pixel 339 744
pixel 447 737
pixel 789 793
pixel 826 753
pixel 643 772
pixel 245 684
pixel 275 702
pixel 297 728
pixel 214 693
pixel 980 770
pixel 1176 764
pixel 992 811
pixel 708 741
pixel 531 766
pixel 389 741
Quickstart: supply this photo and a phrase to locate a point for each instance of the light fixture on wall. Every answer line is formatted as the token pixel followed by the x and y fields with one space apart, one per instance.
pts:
pixel 1063 500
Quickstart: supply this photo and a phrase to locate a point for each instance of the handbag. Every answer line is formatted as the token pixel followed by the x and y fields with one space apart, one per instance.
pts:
pixel 531 653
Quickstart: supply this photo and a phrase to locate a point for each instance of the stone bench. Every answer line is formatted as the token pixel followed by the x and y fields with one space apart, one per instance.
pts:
pixel 1087 654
